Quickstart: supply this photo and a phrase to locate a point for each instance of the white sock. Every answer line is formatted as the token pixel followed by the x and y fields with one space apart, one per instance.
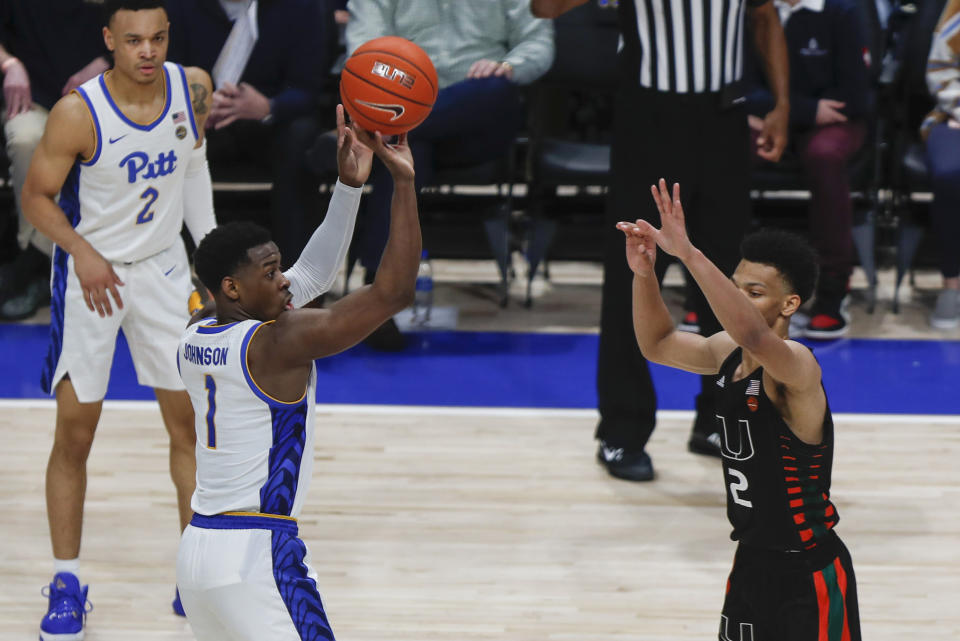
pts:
pixel 71 565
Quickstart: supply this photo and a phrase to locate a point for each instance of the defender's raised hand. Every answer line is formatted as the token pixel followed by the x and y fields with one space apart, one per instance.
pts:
pixel 672 235
pixel 354 157
pixel 641 247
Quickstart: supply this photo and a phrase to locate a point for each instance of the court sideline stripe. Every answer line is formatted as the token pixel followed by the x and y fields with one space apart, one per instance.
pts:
pixel 517 412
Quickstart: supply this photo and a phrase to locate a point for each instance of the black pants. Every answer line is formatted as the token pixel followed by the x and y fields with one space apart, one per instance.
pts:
pixel 682 138
pixel 798 596
pixel 280 151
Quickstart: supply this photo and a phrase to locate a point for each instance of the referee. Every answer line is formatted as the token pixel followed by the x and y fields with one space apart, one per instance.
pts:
pixel 679 115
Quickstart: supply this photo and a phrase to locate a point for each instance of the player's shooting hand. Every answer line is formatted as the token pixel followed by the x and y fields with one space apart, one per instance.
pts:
pixel 396 156
pixel 773 136
pixel 354 158
pixel 97 277
pixel 16 89
pixel 641 247
pixel 672 235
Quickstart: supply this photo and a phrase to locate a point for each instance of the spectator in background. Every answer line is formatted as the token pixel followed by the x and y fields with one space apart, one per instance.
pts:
pixel 941 129
pixel 483 52
pixel 829 97
pixel 47 49
pixel 268 74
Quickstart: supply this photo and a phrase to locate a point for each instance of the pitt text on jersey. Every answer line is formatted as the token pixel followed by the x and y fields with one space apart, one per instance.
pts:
pixel 137 162
pixel 205 355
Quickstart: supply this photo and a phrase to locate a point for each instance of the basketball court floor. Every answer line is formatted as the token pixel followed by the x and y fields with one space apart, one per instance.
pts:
pixel 456 496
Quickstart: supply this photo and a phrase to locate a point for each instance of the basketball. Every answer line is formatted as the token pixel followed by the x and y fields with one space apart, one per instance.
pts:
pixel 388 85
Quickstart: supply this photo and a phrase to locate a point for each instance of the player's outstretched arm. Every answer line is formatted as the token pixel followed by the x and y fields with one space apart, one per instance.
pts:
pixel 656 335
pixel 316 268
pixel 300 336
pixel 68 135
pixel 785 361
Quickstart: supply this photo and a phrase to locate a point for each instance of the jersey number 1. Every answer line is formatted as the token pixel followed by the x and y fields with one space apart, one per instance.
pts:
pixel 211 386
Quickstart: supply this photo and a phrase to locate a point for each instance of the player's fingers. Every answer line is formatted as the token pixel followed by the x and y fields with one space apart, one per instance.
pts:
pixel 97 298
pixel 116 296
pixel 88 299
pixel 656 198
pixel 665 196
pixel 105 301
pixel 341 122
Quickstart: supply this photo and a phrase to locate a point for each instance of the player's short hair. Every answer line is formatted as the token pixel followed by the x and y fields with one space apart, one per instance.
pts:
pixel 110 7
pixel 789 254
pixel 225 249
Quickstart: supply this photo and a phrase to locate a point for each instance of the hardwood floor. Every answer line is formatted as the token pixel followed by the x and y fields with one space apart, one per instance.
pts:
pixel 469 525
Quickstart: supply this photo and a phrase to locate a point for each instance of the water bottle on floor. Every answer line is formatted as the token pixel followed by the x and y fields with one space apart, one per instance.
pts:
pixel 423 299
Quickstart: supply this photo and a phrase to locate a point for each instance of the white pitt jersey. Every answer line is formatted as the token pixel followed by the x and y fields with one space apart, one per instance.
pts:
pixel 127 199
pixel 254 453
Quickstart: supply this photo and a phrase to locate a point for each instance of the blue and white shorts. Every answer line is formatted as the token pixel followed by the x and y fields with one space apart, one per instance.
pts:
pixel 248 576
pixel 155 296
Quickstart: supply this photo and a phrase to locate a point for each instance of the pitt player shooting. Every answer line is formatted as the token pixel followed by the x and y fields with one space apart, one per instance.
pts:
pixel 243 572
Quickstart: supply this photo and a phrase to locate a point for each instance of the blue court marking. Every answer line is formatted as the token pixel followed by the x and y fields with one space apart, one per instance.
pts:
pixel 499 369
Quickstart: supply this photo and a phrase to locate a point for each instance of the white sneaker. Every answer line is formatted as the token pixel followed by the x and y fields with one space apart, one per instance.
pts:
pixel 946 313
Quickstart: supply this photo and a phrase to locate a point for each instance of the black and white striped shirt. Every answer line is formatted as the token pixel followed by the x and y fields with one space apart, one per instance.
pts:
pixel 685 46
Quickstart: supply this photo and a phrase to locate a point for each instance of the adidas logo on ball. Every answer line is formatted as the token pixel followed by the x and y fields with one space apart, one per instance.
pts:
pixel 399 76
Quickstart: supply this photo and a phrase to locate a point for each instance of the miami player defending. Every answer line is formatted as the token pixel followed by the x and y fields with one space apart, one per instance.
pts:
pixel 792 578
pixel 243 572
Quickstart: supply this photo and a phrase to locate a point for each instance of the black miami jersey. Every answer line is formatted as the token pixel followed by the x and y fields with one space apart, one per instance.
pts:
pixel 792 577
pixel 778 487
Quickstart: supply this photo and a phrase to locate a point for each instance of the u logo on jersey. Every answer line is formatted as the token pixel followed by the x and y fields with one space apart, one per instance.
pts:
pixel 138 165
pixel 746 630
pixel 737 446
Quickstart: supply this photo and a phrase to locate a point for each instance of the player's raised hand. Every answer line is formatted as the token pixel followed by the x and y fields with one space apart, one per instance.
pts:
pixel 641 247
pixel 396 156
pixel 97 277
pixel 354 158
pixel 672 235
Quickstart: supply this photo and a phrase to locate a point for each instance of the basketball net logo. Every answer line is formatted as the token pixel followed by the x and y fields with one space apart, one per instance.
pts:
pixel 396 111
pixel 399 76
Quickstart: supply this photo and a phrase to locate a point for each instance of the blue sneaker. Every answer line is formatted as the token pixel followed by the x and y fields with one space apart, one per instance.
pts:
pixel 68 609
pixel 177 606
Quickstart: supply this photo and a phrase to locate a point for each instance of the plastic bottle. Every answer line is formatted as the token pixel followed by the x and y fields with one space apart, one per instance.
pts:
pixel 423 299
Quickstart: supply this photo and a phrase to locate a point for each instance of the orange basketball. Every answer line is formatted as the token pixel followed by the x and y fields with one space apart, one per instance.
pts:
pixel 388 85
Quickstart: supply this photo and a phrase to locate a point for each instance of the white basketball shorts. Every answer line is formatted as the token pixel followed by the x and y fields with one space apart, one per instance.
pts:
pixel 154 314
pixel 248 577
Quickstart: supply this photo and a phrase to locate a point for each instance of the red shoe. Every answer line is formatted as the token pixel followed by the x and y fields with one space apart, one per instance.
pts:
pixel 825 326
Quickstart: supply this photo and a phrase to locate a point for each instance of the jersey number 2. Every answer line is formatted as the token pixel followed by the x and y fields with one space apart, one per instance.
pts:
pixel 740 485
pixel 150 195
pixel 211 386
